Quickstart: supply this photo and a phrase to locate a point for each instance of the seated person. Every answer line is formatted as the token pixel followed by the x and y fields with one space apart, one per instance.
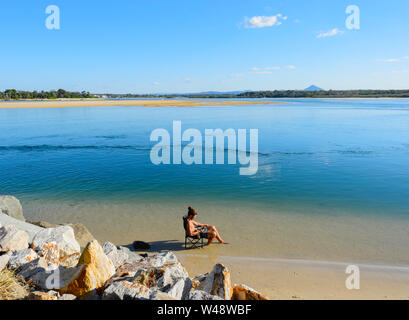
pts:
pixel 203 230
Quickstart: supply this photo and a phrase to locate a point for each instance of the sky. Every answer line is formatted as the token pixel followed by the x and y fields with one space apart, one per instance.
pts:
pixel 164 46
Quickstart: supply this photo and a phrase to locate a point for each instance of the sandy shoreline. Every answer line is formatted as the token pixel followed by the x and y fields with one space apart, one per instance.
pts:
pixel 121 103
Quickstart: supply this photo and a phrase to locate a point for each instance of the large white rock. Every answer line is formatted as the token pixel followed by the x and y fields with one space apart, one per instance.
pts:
pixel 41 274
pixel 21 257
pixel 11 206
pixel 62 236
pixel 12 239
pixel 125 290
pixel 23 226
pixel 4 260
pixel 117 257
pixel 216 283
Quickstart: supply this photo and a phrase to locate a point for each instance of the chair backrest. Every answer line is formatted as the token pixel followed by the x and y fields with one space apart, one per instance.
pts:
pixel 185 225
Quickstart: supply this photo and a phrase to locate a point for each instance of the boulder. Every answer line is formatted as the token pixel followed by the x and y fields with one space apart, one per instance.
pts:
pixel 202 295
pixel 50 252
pixel 39 273
pixel 38 295
pixel 12 239
pixel 140 245
pixel 82 234
pixel 23 226
pixel 242 292
pixel 117 257
pixel 4 260
pixel 10 206
pixel 62 236
pixel 132 256
pixel 67 297
pixel 21 257
pixel 125 290
pixel 90 275
pixel 216 283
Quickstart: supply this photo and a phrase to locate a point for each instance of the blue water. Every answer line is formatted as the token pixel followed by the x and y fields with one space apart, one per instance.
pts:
pixel 325 154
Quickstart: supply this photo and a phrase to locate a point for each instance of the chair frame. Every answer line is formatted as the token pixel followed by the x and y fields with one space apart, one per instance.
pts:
pixel 195 242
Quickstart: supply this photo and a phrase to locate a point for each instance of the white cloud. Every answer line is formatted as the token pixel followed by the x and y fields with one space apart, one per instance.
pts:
pixel 290 67
pixel 272 68
pixel 254 69
pixel 264 21
pixel 156 83
pixel 331 33
pixel 263 72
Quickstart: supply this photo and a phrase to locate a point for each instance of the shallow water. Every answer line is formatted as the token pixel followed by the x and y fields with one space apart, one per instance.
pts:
pixel 332 184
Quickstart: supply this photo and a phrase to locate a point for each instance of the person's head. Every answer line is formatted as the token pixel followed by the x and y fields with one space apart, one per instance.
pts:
pixel 191 213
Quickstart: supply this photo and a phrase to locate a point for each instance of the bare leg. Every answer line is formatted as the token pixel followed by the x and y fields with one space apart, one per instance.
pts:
pixel 217 235
pixel 211 237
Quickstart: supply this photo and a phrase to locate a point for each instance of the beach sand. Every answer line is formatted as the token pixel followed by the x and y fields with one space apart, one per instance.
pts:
pixel 280 254
pixel 121 103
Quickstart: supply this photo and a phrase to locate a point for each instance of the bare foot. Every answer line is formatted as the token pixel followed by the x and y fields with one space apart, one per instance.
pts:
pixel 224 242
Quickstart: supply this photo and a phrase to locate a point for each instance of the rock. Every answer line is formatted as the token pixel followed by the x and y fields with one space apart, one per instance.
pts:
pixel 242 292
pixel 67 297
pixel 125 290
pixel 118 258
pixel 50 252
pixel 20 258
pixel 82 234
pixel 71 260
pixel 4 260
pixel 140 245
pixel 62 236
pixel 160 271
pixel 158 295
pixel 93 270
pixel 202 295
pixel 216 283
pixel 38 295
pixel 23 226
pixel 12 239
pixel 44 224
pixel 39 273
pixel 10 206
pixel 132 256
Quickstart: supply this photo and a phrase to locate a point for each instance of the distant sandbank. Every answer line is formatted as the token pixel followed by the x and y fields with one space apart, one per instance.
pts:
pixel 129 103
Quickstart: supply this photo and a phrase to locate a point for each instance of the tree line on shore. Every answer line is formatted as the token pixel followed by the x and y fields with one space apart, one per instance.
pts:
pixel 12 94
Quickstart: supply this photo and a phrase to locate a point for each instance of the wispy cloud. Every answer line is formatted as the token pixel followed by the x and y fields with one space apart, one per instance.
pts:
pixel 236 75
pixel 156 83
pixel 393 60
pixel 264 21
pixel 331 33
pixel 269 70
pixel 290 67
pixel 272 68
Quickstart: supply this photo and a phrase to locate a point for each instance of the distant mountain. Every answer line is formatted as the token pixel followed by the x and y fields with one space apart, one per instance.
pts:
pixel 313 88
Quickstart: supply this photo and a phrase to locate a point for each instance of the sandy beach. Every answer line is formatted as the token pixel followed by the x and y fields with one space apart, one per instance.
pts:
pixel 120 103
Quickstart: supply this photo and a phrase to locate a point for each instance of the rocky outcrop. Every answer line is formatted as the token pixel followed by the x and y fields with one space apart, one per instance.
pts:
pixel 90 275
pixel 20 258
pixel 117 257
pixel 29 228
pixel 12 239
pixel 215 283
pixel 38 295
pixel 63 237
pixel 11 206
pixel 242 292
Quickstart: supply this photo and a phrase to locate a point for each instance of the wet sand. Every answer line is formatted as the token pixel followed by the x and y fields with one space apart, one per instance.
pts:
pixel 121 103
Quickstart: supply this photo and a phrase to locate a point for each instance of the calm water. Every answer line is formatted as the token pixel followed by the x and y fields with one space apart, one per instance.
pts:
pixel 316 157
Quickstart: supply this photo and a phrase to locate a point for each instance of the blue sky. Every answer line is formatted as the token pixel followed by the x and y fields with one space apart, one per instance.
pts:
pixel 199 45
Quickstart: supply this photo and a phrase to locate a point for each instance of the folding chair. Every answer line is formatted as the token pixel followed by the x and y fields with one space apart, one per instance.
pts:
pixel 192 242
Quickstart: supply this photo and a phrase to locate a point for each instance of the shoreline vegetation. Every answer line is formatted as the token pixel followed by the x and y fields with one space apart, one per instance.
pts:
pixel 13 94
